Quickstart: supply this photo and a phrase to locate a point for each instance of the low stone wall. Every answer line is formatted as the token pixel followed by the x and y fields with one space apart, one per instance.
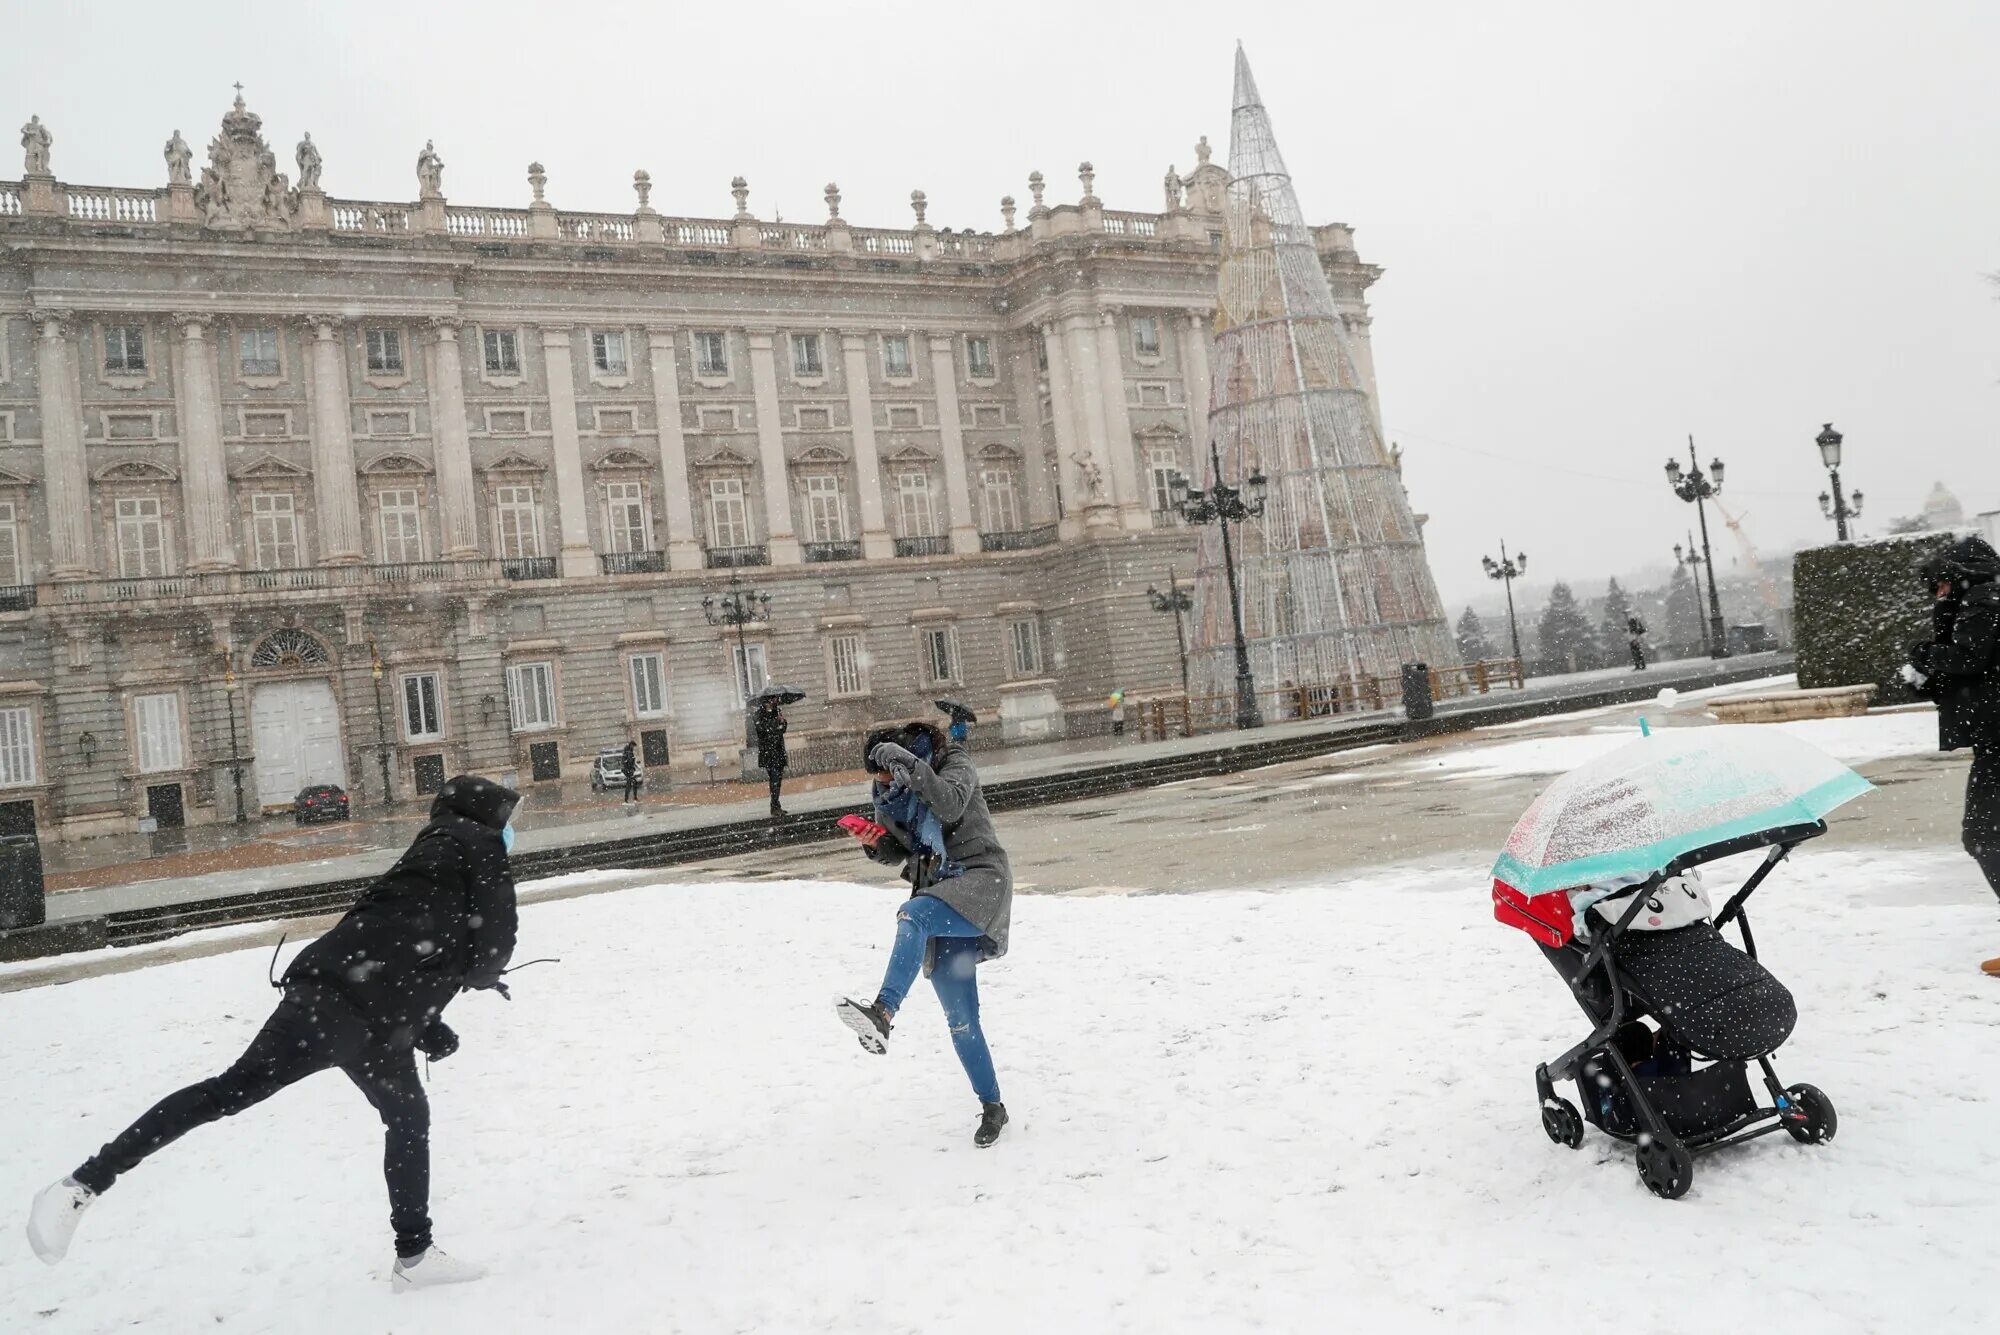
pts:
pixel 1833 702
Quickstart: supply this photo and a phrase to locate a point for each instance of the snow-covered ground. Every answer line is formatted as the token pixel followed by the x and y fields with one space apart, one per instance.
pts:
pixel 1298 1110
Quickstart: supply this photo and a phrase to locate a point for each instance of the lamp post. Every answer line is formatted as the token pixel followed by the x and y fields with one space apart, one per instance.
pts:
pixel 1834 506
pixel 738 607
pixel 1696 487
pixel 1693 561
pixel 381 724
pixel 1178 601
pixel 1224 505
pixel 1508 569
pixel 235 752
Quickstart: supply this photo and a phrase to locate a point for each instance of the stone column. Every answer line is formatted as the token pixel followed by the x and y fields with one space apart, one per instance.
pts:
pixel 579 561
pixel 875 538
pixel 452 447
pixel 65 478
pixel 334 490
pixel 676 498
pixel 204 470
pixel 1062 421
pixel 1096 504
pixel 1037 493
pixel 781 534
pixel 1194 384
pixel 951 442
pixel 1133 510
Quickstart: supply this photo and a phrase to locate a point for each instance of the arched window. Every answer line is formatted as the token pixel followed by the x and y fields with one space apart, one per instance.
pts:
pixel 288 648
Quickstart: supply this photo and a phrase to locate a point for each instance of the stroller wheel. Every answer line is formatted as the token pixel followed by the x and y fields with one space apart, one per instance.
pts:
pixel 1666 1168
pixel 1562 1122
pixel 1817 1121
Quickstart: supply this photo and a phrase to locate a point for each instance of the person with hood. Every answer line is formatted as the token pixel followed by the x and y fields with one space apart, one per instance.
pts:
pixel 769 725
pixel 628 765
pixel 365 997
pixel 935 823
pixel 1959 668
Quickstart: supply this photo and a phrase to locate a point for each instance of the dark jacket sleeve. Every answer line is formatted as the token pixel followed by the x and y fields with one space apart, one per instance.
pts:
pixel 1975 635
pixel 490 910
pixel 947 791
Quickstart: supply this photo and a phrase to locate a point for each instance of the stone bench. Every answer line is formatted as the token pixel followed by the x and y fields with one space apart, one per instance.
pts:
pixel 1830 702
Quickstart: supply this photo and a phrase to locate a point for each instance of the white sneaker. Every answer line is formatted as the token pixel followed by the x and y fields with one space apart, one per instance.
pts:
pixel 432 1269
pixel 53 1218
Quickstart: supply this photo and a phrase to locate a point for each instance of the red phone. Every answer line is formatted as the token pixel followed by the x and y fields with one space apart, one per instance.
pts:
pixel 867 831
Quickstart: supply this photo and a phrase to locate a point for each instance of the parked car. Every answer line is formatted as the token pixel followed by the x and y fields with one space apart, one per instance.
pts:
pixel 320 801
pixel 607 772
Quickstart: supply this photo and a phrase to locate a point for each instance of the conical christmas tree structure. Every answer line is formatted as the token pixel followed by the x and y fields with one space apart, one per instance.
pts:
pixel 1335 586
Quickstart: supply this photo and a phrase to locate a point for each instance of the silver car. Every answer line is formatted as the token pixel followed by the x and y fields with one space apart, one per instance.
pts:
pixel 607 772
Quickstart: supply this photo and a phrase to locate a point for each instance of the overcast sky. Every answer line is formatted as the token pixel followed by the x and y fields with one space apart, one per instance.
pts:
pixel 1604 226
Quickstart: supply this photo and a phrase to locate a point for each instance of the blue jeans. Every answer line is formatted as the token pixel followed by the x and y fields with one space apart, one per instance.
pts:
pixel 926 921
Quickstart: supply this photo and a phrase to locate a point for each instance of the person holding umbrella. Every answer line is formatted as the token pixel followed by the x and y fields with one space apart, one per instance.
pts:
pixel 769 725
pixel 962 719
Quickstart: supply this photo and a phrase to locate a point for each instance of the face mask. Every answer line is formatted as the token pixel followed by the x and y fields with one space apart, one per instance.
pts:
pixel 507 837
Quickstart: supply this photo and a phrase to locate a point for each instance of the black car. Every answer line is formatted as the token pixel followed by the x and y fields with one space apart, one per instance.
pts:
pixel 321 801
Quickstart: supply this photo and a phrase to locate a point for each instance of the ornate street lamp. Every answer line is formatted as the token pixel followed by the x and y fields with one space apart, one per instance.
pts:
pixel 738 607
pixel 1508 569
pixel 1223 505
pixel 381 724
pixel 1696 487
pixel 1835 505
pixel 1693 561
pixel 1178 601
pixel 235 752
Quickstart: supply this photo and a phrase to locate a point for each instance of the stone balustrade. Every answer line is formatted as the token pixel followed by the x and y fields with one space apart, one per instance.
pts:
pixel 99 204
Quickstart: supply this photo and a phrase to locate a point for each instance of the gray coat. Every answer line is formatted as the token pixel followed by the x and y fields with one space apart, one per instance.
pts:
pixel 984 893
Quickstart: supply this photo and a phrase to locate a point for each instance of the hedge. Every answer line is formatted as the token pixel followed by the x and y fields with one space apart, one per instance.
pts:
pixel 1857 609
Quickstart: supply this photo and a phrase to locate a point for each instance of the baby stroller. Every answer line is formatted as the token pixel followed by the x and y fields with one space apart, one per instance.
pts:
pixel 1678 1014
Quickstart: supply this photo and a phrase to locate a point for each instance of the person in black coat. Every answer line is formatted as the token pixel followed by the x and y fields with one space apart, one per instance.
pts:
pixel 769 724
pixel 1635 636
pixel 365 997
pixel 1959 668
pixel 628 765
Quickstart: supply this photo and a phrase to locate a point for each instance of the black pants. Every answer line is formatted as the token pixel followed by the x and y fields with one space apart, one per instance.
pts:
pixel 776 774
pixel 309 1032
pixel 1638 657
pixel 631 787
pixel 1982 813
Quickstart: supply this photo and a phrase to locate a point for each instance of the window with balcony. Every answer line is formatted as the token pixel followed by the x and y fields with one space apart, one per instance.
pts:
pixel 274 530
pixel 423 720
pixel 257 352
pixel 999 506
pixel 503 352
pixel 517 522
pixel 156 720
pixel 711 354
pixel 17 747
pixel 385 351
pixel 808 361
pixel 938 646
pixel 914 514
pixel 607 353
pixel 826 508
pixel 728 513
pixel 1024 639
pixel 125 349
pixel 846 675
pixel 979 357
pixel 401 522
pixel 1145 336
pixel 13 570
pixel 142 537
pixel 1162 462
pixel 625 517
pixel 531 696
pixel 649 684
pixel 752 670
pixel 896 356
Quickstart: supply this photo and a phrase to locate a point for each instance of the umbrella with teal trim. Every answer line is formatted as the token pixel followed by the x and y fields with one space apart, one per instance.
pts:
pixel 1678 791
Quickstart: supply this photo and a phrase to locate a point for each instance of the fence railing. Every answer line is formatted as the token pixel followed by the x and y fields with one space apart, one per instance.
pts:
pixel 353 216
pixel 632 563
pixel 595 227
pixel 500 224
pixel 1171 714
pixel 528 567
pixel 833 551
pixel 94 204
pixel 230 583
pixel 1018 540
pixel 923 546
pixel 724 558
pixel 16 597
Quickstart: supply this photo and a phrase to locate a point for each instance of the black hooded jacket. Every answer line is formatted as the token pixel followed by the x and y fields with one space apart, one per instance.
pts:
pixel 1962 661
pixel 440 920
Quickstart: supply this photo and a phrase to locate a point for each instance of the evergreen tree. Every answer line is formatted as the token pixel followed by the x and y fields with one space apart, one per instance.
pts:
pixel 1617 612
pixel 1473 646
pixel 1684 616
pixel 1569 642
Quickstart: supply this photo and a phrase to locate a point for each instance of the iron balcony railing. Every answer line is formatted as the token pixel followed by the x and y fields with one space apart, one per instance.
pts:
pixel 833 551
pixel 1018 540
pixel 16 597
pixel 233 583
pixel 529 567
pixel 632 563
pixel 722 558
pixel 923 546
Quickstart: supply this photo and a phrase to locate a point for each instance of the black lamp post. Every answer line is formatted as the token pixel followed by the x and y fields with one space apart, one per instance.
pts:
pixel 235 751
pixel 381 722
pixel 1834 505
pixel 1224 505
pixel 1696 487
pixel 1508 569
pixel 1178 601
pixel 738 607
pixel 1694 561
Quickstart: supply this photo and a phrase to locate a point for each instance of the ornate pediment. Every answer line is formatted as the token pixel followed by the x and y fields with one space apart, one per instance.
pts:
pixel 612 461
pixel 241 187
pixel 821 454
pixel 515 462
pixel 724 457
pixel 997 453
pixel 270 466
pixel 136 470
pixel 1160 434
pixel 395 463
pixel 9 478
pixel 911 454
